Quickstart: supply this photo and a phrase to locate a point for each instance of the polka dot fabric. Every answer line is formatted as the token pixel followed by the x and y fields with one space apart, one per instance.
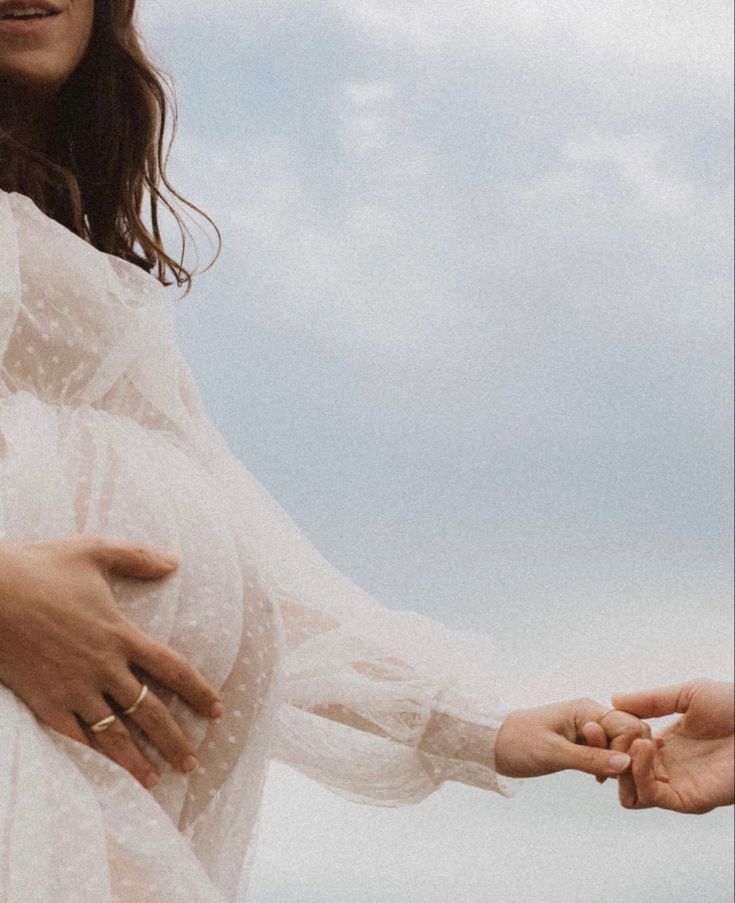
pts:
pixel 103 430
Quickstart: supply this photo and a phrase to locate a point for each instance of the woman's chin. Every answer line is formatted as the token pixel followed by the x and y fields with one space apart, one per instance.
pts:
pixel 39 79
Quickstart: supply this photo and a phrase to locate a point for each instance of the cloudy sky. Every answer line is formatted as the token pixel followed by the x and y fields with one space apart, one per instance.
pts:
pixel 472 327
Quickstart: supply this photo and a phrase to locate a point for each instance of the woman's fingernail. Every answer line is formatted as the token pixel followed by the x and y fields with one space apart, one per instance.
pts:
pixel 171 561
pixel 217 710
pixel 619 762
pixel 152 780
pixel 189 764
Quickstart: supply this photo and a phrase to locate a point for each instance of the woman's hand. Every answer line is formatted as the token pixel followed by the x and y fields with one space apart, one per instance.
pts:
pixel 550 738
pixel 65 645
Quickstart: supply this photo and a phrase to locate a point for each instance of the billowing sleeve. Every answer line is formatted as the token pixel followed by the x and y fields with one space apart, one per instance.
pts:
pixel 381 706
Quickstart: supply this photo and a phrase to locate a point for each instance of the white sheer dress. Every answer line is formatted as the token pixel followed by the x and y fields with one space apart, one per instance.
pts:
pixel 102 430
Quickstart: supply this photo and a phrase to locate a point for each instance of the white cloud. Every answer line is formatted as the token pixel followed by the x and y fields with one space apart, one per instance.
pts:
pixel 361 262
pixel 675 33
pixel 366 123
pixel 370 93
pixel 241 20
pixel 631 182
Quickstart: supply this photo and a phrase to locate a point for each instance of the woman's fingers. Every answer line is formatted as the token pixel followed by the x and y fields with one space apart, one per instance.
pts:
pixel 155 720
pixel 129 560
pixel 594 735
pixel 65 723
pixel 623 729
pixel 117 743
pixel 172 670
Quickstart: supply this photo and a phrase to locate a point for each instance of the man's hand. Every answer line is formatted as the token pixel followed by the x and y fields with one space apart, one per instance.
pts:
pixel 697 751
pixel 550 738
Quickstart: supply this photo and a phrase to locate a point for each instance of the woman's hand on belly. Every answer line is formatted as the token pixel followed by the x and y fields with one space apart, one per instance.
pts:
pixel 67 650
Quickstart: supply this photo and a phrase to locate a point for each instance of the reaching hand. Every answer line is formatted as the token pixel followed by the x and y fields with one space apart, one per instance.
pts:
pixel 697 751
pixel 550 738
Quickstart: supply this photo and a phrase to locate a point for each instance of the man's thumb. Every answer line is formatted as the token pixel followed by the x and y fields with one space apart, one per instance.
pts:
pixel 128 560
pixel 655 703
pixel 600 762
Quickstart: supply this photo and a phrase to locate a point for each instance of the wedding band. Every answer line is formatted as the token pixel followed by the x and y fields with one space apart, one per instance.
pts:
pixel 102 725
pixel 141 697
pixel 604 714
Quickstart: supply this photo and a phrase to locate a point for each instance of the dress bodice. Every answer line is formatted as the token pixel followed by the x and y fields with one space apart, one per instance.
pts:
pixel 81 327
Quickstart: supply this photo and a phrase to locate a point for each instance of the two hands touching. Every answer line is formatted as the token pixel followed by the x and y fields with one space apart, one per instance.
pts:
pixel 687 767
pixel 69 653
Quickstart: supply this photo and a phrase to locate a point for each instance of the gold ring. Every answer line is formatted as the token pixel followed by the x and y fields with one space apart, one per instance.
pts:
pixel 599 719
pixel 141 697
pixel 102 725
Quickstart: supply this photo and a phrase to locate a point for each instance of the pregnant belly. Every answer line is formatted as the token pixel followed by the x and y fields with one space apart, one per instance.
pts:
pixel 68 470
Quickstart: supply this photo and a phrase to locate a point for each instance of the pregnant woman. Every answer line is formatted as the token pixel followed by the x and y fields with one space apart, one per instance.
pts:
pixel 142 695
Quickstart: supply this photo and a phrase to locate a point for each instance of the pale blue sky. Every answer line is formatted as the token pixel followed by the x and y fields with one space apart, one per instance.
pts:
pixel 472 327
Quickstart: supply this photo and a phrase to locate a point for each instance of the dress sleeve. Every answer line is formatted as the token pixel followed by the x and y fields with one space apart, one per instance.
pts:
pixel 381 706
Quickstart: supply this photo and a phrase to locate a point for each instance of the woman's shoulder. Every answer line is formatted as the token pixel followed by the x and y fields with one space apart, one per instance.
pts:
pixel 34 227
pixel 14 197
pixel 13 203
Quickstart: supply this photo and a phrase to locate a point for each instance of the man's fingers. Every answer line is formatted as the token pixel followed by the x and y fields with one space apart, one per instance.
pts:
pixel 638 788
pixel 128 560
pixel 627 795
pixel 659 769
pixel 655 703
pixel 644 775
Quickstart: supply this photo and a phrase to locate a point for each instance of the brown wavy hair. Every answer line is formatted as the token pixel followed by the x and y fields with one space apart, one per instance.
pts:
pixel 107 151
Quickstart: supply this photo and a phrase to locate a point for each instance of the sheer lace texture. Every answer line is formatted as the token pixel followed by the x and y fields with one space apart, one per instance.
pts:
pixel 103 430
